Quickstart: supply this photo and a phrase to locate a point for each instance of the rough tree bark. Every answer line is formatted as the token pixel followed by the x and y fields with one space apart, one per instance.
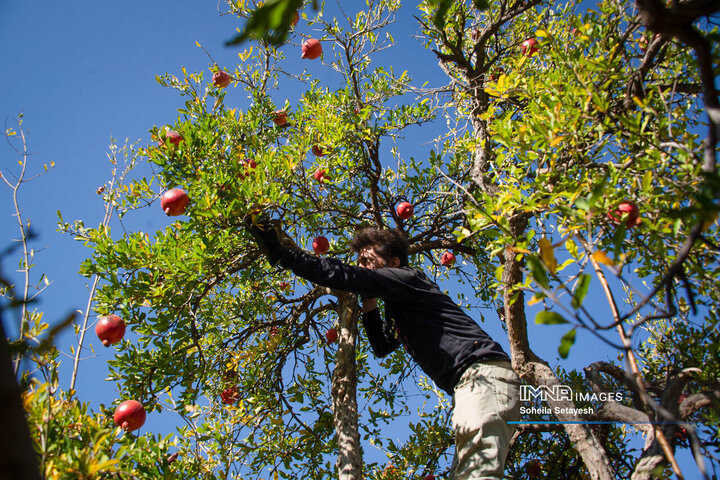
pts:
pixel 529 366
pixel 536 371
pixel 344 379
pixel 344 389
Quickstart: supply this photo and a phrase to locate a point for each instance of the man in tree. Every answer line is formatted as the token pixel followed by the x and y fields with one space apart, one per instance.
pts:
pixel 446 343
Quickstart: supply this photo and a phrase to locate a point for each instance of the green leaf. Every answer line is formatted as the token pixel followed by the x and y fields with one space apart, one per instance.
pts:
pixel 549 318
pixel 271 21
pixel 567 341
pixel 580 291
pixel 481 4
pixel 439 17
pixel 598 190
pixel 677 225
pixel 582 203
pixel 537 271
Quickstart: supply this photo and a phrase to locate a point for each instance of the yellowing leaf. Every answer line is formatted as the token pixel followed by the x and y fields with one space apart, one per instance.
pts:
pixel 708 223
pixel 638 101
pixel 245 54
pixel 571 247
pixel 108 465
pixel 535 299
pixel 601 257
pixel 518 249
pixel 565 264
pixel 548 254
pixel 555 141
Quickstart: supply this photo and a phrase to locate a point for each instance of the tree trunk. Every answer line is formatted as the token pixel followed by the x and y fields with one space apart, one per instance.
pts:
pixel 344 388
pixel 651 458
pixel 536 371
pixel 529 366
pixel 18 459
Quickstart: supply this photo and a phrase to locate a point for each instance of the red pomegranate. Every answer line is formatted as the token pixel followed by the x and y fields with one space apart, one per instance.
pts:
pixel 311 49
pixel 321 175
pixel 110 329
pixel 331 335
pixel 320 245
pixel 529 47
pixel 130 415
pixel 279 118
pixel 174 202
pixel 221 79
pixel 447 259
pixel 230 395
pixel 404 210
pixel 627 207
pixel 173 137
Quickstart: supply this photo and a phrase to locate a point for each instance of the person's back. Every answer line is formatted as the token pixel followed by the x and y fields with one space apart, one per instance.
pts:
pixel 437 333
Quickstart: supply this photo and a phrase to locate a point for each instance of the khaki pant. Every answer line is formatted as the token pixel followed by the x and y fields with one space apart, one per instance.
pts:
pixel 486 398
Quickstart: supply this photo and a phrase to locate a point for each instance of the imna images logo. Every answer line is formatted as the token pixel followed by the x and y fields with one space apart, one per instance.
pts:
pixel 528 393
pixel 561 393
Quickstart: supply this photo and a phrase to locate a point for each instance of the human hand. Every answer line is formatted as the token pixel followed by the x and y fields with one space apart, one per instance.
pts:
pixel 262 228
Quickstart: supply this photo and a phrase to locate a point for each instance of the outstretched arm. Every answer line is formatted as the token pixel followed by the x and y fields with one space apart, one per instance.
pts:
pixel 328 272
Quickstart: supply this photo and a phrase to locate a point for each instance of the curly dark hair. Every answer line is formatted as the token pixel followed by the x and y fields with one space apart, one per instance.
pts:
pixel 388 243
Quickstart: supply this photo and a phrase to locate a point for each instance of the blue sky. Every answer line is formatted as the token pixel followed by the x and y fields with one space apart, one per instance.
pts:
pixel 82 73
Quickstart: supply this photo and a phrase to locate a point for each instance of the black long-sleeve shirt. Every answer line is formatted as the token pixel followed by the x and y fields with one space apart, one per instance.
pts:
pixel 436 332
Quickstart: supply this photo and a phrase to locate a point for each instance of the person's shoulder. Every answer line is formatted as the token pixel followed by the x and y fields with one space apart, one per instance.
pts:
pixel 402 270
pixel 405 273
